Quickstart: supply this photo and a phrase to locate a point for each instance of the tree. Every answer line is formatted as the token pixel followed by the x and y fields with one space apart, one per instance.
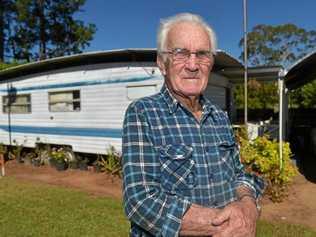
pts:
pixel 260 95
pixel 305 96
pixel 278 45
pixel 47 28
pixel 281 45
pixel 6 10
pixel 23 39
pixel 67 34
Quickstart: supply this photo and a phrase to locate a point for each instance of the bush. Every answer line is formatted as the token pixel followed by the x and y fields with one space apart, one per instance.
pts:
pixel 261 156
pixel 3 149
pixel 111 163
pixel 15 151
pixel 59 159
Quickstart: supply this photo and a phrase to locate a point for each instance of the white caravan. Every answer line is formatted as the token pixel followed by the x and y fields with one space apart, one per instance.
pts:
pixel 79 101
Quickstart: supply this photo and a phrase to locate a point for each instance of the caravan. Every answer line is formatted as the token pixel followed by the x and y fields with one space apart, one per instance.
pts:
pixel 79 101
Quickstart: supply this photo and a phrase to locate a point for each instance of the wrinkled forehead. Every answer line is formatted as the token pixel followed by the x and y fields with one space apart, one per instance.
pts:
pixel 188 35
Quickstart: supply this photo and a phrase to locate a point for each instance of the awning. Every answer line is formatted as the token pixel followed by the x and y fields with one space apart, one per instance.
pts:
pixel 264 73
pixel 302 72
pixel 222 60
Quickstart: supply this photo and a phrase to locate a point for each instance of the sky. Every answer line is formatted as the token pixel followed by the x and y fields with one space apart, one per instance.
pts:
pixel 125 24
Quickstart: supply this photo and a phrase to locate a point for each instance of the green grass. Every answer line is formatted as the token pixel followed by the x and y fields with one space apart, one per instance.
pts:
pixel 42 210
pixel 33 210
pixel 267 229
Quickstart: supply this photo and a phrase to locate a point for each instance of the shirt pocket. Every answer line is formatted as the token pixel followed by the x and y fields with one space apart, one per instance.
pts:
pixel 226 155
pixel 177 168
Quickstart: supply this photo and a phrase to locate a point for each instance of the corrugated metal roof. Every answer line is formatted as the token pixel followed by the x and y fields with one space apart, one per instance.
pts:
pixel 222 60
pixel 302 72
pixel 262 73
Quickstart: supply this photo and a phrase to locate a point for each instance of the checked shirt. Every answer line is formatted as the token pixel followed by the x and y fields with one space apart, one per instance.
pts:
pixel 171 160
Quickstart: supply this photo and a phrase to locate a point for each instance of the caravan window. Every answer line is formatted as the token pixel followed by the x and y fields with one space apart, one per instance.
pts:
pixel 135 92
pixel 64 101
pixel 16 104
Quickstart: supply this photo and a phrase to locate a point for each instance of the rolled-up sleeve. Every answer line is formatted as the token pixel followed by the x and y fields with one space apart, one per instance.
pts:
pixel 145 203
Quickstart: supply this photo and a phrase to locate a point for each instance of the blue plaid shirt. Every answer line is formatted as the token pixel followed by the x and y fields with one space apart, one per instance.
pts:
pixel 171 160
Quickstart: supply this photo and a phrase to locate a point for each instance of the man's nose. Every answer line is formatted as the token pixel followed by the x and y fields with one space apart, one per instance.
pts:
pixel 192 63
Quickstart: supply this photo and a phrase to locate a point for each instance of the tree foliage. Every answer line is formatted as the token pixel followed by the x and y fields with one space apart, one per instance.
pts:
pixel 6 11
pixel 278 45
pixel 260 95
pixel 46 28
pixel 4 66
pixel 305 96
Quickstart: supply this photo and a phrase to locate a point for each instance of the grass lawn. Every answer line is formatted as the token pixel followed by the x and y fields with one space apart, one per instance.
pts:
pixel 42 210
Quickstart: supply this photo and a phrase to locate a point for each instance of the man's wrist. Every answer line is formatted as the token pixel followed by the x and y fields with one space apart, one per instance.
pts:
pixel 248 197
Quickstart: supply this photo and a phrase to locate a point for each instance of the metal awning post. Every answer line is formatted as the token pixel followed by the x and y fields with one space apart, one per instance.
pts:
pixel 281 94
pixel 245 64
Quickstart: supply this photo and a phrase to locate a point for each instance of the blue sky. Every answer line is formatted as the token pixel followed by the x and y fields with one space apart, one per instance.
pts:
pixel 133 23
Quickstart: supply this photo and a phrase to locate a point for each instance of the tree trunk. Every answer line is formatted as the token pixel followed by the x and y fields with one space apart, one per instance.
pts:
pixel 42 46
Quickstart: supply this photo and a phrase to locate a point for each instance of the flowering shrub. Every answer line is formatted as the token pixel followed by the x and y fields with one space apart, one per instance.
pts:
pixel 261 156
pixel 59 155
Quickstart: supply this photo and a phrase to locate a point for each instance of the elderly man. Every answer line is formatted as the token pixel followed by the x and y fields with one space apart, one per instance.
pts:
pixel 181 168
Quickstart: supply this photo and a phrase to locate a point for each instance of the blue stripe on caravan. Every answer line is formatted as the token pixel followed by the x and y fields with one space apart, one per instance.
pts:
pixel 66 131
pixel 82 83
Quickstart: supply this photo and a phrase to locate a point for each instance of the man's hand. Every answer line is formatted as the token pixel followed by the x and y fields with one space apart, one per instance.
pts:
pixel 197 221
pixel 240 217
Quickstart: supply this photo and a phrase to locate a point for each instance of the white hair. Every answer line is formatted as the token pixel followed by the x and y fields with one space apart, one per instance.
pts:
pixel 168 23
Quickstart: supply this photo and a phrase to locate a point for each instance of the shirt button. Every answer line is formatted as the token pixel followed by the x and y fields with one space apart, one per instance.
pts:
pixel 192 162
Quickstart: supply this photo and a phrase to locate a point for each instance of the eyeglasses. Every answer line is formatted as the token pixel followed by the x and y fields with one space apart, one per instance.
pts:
pixel 183 55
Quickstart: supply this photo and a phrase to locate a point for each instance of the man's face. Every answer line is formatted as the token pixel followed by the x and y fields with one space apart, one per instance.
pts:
pixel 187 77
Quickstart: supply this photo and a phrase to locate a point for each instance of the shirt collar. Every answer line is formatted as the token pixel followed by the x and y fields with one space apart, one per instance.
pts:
pixel 172 102
pixel 207 105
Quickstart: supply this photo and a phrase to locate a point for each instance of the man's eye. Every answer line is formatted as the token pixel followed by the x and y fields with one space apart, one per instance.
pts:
pixel 182 52
pixel 202 54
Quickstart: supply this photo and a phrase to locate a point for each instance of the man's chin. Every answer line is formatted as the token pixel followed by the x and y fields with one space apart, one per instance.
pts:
pixel 192 93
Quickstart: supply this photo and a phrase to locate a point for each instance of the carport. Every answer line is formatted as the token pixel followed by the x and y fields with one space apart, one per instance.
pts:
pixel 302 123
pixel 299 74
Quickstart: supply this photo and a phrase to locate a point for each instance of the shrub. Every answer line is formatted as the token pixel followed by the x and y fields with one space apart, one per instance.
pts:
pixel 15 151
pixel 3 149
pixel 261 156
pixel 59 155
pixel 111 163
pixel 59 159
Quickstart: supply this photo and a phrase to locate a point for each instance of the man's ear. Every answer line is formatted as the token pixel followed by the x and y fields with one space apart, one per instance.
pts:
pixel 161 65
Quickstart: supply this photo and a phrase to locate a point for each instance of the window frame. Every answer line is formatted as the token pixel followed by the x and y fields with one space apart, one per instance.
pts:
pixel 28 104
pixel 64 101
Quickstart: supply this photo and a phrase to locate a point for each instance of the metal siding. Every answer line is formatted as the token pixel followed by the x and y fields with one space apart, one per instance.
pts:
pixel 103 104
